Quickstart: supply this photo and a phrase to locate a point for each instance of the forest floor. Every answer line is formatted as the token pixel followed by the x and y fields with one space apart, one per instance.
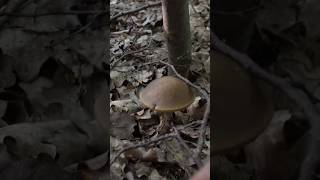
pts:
pixel 53 63
pixel 137 45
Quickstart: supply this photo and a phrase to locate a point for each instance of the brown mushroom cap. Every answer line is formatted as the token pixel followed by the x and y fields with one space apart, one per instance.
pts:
pixel 167 94
pixel 242 105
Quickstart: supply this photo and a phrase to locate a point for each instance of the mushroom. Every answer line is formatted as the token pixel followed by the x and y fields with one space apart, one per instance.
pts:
pixel 242 105
pixel 166 95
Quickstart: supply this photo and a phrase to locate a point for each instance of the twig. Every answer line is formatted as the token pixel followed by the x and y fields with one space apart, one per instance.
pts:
pixel 185 146
pixel 138 65
pixel 54 13
pixel 114 63
pixel 119 32
pixel 134 10
pixel 312 158
pixel 189 125
pixel 158 139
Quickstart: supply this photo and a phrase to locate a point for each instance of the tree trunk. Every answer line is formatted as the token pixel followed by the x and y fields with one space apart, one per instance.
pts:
pixel 177 31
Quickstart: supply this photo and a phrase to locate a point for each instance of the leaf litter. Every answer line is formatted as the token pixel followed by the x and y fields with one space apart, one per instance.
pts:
pixel 137 40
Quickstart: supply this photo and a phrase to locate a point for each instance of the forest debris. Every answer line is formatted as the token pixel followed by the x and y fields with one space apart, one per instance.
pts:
pixel 177 154
pixel 122 125
pixel 156 176
pixel 125 105
pixel 128 58
pixel 196 110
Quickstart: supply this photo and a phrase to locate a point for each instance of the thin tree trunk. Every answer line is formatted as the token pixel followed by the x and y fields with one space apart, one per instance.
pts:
pixel 177 31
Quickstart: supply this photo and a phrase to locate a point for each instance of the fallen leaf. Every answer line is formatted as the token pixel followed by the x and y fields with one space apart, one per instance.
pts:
pixel 125 105
pixel 122 125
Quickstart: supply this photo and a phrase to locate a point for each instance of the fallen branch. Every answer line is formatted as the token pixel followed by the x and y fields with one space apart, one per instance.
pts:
pixel 134 10
pixel 312 158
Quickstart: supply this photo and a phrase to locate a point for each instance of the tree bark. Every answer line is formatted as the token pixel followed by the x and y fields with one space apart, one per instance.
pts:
pixel 177 31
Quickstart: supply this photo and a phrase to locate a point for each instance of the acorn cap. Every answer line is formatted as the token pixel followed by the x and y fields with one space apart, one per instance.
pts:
pixel 167 94
pixel 242 105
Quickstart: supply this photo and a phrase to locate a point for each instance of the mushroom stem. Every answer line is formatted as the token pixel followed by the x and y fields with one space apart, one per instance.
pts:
pixel 165 119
